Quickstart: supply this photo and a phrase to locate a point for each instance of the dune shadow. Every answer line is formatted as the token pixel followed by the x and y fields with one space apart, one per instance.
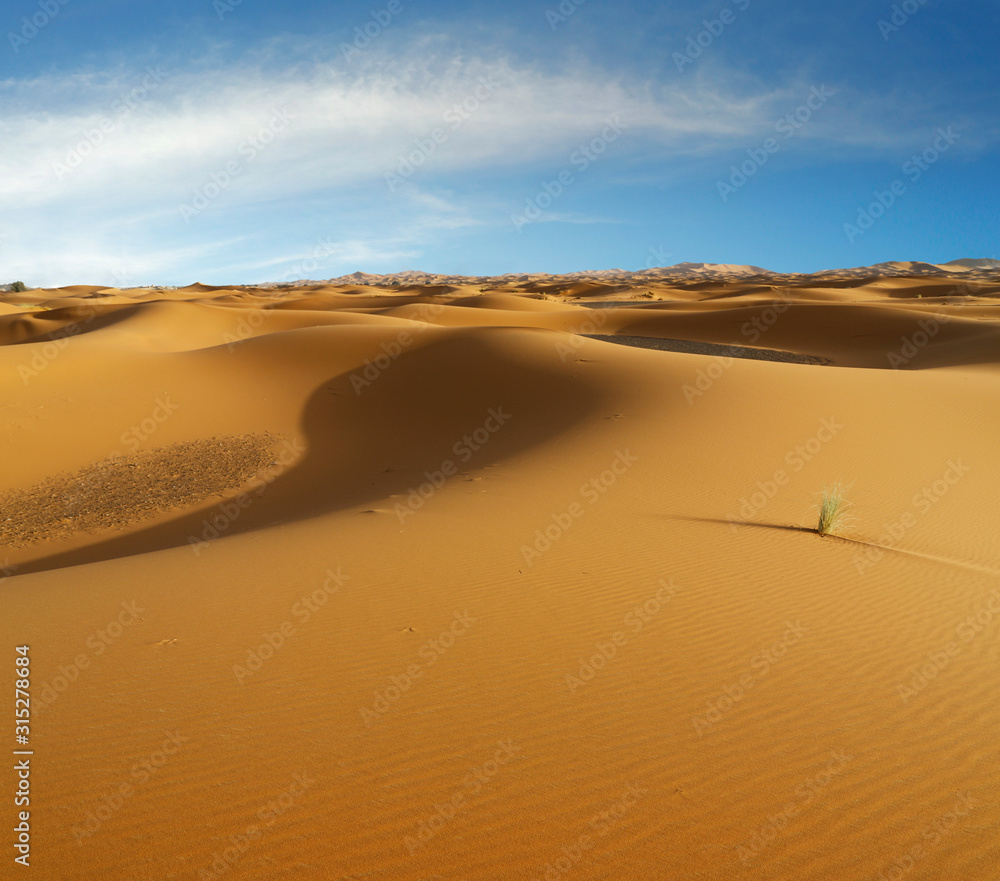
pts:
pixel 787 527
pixel 463 400
pixel 716 350
pixel 782 526
pixel 68 322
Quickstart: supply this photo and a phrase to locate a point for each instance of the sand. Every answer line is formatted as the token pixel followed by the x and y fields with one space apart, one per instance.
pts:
pixel 415 582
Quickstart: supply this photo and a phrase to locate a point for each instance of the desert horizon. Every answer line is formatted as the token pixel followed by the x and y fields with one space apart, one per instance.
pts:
pixel 969 268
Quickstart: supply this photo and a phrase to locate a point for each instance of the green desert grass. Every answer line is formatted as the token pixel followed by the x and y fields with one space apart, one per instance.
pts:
pixel 833 507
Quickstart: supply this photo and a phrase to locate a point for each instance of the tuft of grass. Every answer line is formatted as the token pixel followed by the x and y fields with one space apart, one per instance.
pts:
pixel 833 510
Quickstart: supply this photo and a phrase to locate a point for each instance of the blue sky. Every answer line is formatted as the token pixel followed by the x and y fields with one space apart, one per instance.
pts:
pixel 236 142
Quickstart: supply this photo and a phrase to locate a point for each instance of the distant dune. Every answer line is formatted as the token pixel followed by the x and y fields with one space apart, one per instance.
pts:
pixel 986 263
pixel 689 271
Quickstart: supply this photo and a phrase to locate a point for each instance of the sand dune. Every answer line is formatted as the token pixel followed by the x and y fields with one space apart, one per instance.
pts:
pixel 425 581
pixel 724 273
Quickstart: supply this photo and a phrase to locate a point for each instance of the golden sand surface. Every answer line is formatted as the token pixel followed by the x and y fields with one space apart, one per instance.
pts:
pixel 431 582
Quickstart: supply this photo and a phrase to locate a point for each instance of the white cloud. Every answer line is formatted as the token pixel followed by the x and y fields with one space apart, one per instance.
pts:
pixel 332 133
pixel 343 126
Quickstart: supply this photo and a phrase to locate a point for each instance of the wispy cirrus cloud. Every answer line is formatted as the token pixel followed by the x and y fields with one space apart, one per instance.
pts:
pixel 165 168
pixel 351 124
